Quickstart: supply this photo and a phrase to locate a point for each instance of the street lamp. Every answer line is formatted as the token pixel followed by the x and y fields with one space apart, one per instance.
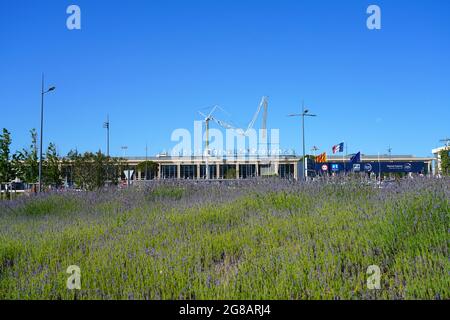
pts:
pixel 305 113
pixel 43 92
pixel 106 126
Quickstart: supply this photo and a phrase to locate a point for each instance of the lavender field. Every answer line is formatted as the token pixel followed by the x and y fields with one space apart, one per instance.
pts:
pixel 263 239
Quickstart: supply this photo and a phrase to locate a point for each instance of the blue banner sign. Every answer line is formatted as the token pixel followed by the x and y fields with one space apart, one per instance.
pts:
pixel 375 167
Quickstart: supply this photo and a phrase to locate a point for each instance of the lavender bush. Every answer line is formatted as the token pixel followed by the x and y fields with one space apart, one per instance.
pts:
pixel 260 239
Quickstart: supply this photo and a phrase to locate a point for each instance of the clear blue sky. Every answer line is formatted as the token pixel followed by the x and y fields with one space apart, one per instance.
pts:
pixel 152 64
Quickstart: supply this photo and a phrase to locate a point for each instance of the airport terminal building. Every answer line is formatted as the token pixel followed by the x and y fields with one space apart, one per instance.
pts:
pixel 282 166
pixel 437 154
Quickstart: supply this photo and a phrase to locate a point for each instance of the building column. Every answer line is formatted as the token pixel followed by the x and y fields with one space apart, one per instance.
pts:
pixel 159 172
pixel 178 170
pixel 237 170
pixel 198 171
pixel 296 171
pixel 218 171
pixel 257 169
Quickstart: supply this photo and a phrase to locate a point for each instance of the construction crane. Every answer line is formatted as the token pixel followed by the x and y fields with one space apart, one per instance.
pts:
pixel 207 118
pixel 263 106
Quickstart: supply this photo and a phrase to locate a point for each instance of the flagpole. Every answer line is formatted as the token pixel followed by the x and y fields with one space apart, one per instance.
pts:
pixel 379 168
pixel 346 150
pixel 343 158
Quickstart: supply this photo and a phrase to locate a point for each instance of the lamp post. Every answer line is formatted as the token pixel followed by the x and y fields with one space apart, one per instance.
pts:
pixel 43 92
pixel 305 113
pixel 106 126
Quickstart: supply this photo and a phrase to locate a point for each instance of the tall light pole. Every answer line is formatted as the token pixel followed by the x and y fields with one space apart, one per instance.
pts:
pixel 305 113
pixel 43 92
pixel 106 126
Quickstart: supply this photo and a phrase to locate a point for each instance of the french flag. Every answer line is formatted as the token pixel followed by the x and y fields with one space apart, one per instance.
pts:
pixel 338 148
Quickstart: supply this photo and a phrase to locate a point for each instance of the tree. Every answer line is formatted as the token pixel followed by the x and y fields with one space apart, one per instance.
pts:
pixel 25 162
pixel 100 167
pixel 230 174
pixel 80 169
pixel 90 171
pixel 68 166
pixel 52 169
pixel 6 173
pixel 445 161
pixel 116 167
pixel 17 166
pixel 148 168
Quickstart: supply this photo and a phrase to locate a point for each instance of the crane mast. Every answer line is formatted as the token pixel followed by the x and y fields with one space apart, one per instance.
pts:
pixel 263 106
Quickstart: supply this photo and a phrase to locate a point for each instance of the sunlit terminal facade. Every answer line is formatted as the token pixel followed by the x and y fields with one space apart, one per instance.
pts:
pixel 289 167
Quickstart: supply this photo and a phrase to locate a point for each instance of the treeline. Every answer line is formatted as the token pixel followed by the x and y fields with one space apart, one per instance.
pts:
pixel 87 171
pixel 445 161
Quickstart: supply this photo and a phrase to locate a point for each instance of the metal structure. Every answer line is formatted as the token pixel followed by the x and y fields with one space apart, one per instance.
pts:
pixel 42 130
pixel 446 141
pixel 207 119
pixel 305 113
pixel 106 126
pixel 263 106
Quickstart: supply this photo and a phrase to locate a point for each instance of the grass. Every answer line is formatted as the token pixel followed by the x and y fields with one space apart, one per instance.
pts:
pixel 266 239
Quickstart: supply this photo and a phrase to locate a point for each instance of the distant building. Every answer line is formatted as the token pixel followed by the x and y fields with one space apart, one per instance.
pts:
pixel 194 168
pixel 376 164
pixel 437 154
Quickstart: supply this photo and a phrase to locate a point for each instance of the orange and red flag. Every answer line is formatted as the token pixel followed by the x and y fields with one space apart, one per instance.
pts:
pixel 322 158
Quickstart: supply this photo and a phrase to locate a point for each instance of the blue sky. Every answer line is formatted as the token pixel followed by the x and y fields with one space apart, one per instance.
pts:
pixel 153 64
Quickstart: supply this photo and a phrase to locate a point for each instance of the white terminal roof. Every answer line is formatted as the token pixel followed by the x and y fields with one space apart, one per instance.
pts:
pixel 437 150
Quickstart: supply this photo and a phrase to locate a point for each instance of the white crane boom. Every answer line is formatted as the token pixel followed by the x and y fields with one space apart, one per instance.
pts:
pixel 262 106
